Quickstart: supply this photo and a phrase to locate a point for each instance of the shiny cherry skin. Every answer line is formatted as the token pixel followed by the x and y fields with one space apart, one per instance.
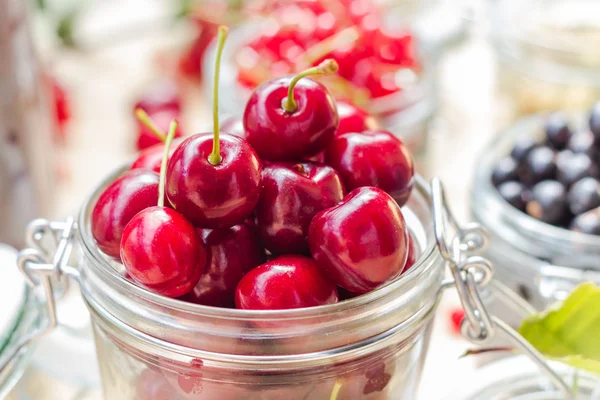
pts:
pixel 279 135
pixel 353 119
pixel 162 119
pixel 286 282
pixel 362 242
pixel 291 195
pixel 373 158
pixel 162 95
pixel 151 157
pixel 214 196
pixel 234 126
pixel 232 252
pixel 411 259
pixel 161 251
pixel 118 204
pixel 396 46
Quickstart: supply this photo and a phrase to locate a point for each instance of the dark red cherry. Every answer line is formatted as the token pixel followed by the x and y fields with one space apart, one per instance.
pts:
pixel 161 119
pixel 291 118
pixel 160 249
pixel 411 258
pixel 284 283
pixel 214 196
pixel 594 120
pixel 291 195
pixel 151 157
pixel 584 142
pixel 558 131
pixel 160 96
pixel 373 158
pixel 118 204
pixel 234 126
pixel 523 146
pixel 548 202
pixel 353 119
pixel 515 193
pixel 362 242
pixel 232 252
pixel 504 171
pixel 539 165
pixel 396 46
pixel 588 222
pixel 213 179
pixel 584 195
pixel 378 79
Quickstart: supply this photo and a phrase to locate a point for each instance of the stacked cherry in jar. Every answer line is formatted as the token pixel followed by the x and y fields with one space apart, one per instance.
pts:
pixel 297 205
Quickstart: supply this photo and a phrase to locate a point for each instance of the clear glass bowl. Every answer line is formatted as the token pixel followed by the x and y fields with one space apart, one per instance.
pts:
pixel 540 261
pixel 408 113
pixel 372 346
pixel 548 53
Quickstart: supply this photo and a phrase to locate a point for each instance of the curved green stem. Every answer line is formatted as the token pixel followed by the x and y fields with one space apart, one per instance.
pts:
pixel 328 66
pixel 215 157
pixel 163 164
pixel 145 119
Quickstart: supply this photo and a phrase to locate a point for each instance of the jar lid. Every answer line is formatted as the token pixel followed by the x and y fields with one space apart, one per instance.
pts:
pixel 517 378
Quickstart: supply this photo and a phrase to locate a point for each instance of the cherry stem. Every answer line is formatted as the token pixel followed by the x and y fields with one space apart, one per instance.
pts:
pixel 336 389
pixel 145 119
pixel 326 46
pixel 215 157
pixel 327 67
pixel 163 164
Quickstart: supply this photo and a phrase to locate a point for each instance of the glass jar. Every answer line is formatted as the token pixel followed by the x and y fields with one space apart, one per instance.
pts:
pixel 540 261
pixel 408 113
pixel 371 347
pixel 548 53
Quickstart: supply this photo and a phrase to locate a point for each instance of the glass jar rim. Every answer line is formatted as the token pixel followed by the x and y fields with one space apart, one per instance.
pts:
pixel 103 268
pixel 483 183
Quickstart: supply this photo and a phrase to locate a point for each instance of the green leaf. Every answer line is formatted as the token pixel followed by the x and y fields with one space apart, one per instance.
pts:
pixel 569 331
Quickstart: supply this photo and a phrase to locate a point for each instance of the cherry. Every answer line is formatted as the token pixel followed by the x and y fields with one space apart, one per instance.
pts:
pixel 539 165
pixel 504 171
pixel 548 202
pixel 373 158
pixel 362 242
pixel 160 248
pixel 232 252
pixel 118 204
pixel 515 193
pixel 594 120
pixel 163 95
pixel 558 131
pixel 379 79
pixel 523 146
pixel 353 119
pixel 583 142
pixel 396 46
pixel 148 134
pixel 411 258
pixel 151 158
pixel 234 126
pixel 584 195
pixel 190 63
pixel 456 318
pixel 588 222
pixel 213 179
pixel 290 197
pixel 283 283
pixel 62 106
pixel 291 118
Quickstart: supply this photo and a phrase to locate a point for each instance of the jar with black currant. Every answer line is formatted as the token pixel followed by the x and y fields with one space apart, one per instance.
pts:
pixel 537 191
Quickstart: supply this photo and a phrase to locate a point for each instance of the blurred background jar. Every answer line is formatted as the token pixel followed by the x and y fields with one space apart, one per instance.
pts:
pixel 548 53
pixel 26 153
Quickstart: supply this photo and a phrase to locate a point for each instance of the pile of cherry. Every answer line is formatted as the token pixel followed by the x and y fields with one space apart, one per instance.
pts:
pixel 556 180
pixel 301 29
pixel 290 204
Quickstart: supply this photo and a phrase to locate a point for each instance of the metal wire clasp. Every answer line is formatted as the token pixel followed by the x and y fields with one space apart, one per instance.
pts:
pixel 43 264
pixel 470 273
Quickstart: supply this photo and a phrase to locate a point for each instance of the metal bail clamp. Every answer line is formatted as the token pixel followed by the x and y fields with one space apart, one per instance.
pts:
pixel 43 264
pixel 470 273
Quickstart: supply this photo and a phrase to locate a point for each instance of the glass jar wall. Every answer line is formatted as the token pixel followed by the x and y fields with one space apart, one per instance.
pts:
pixel 369 347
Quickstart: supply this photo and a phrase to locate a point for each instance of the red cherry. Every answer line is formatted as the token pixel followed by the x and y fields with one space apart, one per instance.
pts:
pixel 379 79
pixel 373 158
pixel 190 63
pixel 163 95
pixel 353 119
pixel 213 179
pixel 291 118
pixel 456 318
pixel 232 252
pixel 290 197
pixel 362 242
pixel 234 126
pixel 159 248
pixel 284 283
pixel 151 157
pixel 62 107
pixel 118 204
pixel 412 253
pixel 396 47
pixel 146 138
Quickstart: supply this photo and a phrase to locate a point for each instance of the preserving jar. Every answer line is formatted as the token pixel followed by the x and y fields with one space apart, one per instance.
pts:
pixel 369 347
pixel 548 53
pixel 542 262
pixel 408 113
